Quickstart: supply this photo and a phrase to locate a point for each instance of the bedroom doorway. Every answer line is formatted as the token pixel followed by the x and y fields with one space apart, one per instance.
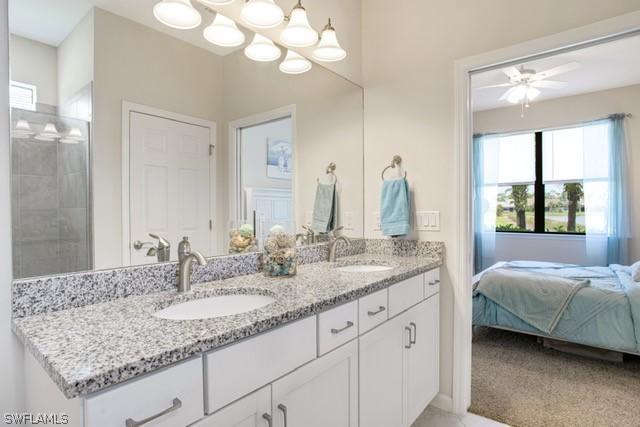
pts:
pixel 552 170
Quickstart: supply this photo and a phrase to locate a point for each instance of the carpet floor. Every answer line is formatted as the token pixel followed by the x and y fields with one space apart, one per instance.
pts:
pixel 517 381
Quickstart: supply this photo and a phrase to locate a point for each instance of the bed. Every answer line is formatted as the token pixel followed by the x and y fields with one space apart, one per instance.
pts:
pixel 593 306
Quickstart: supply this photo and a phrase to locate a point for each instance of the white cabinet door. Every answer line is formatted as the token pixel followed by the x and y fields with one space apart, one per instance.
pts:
pixel 320 394
pixel 253 410
pixel 422 370
pixel 381 375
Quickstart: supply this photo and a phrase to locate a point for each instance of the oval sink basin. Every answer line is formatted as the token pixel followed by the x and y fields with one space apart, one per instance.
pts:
pixel 218 306
pixel 364 268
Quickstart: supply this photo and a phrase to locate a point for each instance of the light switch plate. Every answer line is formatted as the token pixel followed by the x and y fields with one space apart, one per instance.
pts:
pixel 428 221
pixel 348 221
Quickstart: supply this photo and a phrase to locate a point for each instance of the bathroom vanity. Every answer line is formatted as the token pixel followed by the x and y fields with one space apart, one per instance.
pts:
pixel 342 344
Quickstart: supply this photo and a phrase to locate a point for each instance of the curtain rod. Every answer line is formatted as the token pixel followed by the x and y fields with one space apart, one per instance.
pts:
pixel 568 126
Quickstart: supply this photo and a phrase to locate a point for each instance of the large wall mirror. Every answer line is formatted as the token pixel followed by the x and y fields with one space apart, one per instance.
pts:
pixel 126 133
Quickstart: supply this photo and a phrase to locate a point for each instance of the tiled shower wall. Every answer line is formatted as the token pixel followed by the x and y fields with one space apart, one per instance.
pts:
pixel 50 208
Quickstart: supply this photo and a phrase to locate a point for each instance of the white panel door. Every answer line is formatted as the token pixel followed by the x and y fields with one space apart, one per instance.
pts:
pixel 381 375
pixel 322 393
pixel 423 381
pixel 169 180
pixel 253 410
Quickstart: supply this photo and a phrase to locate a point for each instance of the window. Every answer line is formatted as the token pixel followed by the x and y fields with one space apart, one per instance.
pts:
pixel 541 179
pixel 23 95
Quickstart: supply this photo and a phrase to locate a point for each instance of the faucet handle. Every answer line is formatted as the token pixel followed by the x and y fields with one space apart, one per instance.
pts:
pixel 162 242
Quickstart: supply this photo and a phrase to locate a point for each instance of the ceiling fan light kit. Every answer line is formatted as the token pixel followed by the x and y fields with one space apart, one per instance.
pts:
pixel 223 31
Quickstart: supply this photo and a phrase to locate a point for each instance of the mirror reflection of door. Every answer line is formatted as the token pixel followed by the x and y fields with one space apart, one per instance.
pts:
pixel 266 175
pixel 169 185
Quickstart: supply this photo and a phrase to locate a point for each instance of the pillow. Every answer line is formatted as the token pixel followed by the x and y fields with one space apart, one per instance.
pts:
pixel 635 271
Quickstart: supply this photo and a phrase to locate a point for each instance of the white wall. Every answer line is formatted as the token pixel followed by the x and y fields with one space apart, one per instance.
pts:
pixel 567 111
pixel 37 64
pixel 75 60
pixel 409 49
pixel 11 368
pixel 141 65
pixel 254 153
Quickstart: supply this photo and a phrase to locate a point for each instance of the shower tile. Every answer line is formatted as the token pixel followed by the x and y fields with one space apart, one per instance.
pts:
pixel 73 191
pixel 73 223
pixel 34 157
pixel 38 192
pixel 73 256
pixel 39 258
pixel 73 158
pixel 38 224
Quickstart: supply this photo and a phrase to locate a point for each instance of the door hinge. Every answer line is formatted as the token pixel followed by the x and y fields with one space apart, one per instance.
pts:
pixel 211 147
pixel 210 224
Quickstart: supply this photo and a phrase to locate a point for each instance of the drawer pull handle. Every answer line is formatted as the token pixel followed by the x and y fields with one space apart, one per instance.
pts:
pixel 378 311
pixel 268 418
pixel 406 328
pixel 284 414
pixel 177 404
pixel 415 333
pixel 337 331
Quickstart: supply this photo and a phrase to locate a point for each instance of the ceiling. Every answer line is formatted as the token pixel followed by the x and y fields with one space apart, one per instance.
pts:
pixel 604 66
pixel 50 21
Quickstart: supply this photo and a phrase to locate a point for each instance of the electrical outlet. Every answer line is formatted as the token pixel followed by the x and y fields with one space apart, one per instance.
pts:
pixel 348 221
pixel 428 221
pixel 376 221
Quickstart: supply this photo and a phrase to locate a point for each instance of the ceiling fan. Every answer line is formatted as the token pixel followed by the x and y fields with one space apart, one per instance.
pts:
pixel 525 83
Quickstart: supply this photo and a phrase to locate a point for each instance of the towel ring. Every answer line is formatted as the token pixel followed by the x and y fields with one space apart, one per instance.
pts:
pixel 331 167
pixel 397 160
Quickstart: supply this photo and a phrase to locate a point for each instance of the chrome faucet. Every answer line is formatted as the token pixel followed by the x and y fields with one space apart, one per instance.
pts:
pixel 333 243
pixel 184 270
pixel 162 251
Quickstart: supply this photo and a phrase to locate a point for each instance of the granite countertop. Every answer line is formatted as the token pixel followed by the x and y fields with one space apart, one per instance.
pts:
pixel 89 348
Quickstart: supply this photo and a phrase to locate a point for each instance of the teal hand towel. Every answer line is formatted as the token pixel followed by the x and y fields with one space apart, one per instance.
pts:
pixel 394 208
pixel 324 208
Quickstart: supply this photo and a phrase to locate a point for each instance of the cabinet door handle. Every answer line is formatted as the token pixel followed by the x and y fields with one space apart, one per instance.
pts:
pixel 406 328
pixel 337 331
pixel 415 333
pixel 268 418
pixel 177 404
pixel 378 311
pixel 284 414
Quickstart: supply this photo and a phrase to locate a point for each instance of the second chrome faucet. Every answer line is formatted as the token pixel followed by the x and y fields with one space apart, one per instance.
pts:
pixel 185 259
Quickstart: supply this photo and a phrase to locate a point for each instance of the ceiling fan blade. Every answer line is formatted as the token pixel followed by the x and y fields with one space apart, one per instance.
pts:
pixel 493 86
pixel 548 84
pixel 512 72
pixel 555 71
pixel 507 93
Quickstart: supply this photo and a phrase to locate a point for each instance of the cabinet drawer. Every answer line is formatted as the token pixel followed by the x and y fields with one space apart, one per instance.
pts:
pixel 431 282
pixel 176 391
pixel 337 326
pixel 405 294
pixel 241 368
pixel 372 310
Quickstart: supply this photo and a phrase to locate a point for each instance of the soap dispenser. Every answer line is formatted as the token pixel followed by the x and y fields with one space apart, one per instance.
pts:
pixel 184 248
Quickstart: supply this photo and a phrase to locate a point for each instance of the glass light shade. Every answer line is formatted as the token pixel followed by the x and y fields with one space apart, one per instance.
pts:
pixel 532 93
pixel 294 63
pixel 262 13
pixel 520 92
pixel 262 49
pixel 215 2
pixel 328 49
pixel 223 32
pixel 179 14
pixel 22 130
pixel 50 131
pixel 298 32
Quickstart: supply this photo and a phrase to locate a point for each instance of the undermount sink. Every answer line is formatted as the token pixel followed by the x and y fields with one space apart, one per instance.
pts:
pixel 364 268
pixel 212 307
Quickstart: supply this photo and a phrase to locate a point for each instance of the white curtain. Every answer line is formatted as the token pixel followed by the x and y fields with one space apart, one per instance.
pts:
pixel 486 158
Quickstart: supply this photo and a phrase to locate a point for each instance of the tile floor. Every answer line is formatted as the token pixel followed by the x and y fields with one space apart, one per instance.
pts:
pixel 433 417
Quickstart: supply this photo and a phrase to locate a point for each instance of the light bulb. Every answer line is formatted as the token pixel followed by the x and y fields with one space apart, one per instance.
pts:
pixel 262 49
pixel 329 49
pixel 262 13
pixel 179 14
pixel 294 63
pixel 214 3
pixel 223 32
pixel 298 32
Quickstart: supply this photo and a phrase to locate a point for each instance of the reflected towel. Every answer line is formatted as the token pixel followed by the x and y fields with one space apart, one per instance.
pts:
pixel 394 208
pixel 324 208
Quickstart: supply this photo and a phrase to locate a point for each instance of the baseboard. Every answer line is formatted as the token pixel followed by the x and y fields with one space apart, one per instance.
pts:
pixel 443 402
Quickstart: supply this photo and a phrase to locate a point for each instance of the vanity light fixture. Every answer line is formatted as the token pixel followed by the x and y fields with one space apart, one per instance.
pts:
pixel 262 49
pixel 73 137
pixel 294 63
pixel 298 32
pixel 328 49
pixel 262 13
pixel 22 130
pixel 49 133
pixel 216 2
pixel 223 32
pixel 179 14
